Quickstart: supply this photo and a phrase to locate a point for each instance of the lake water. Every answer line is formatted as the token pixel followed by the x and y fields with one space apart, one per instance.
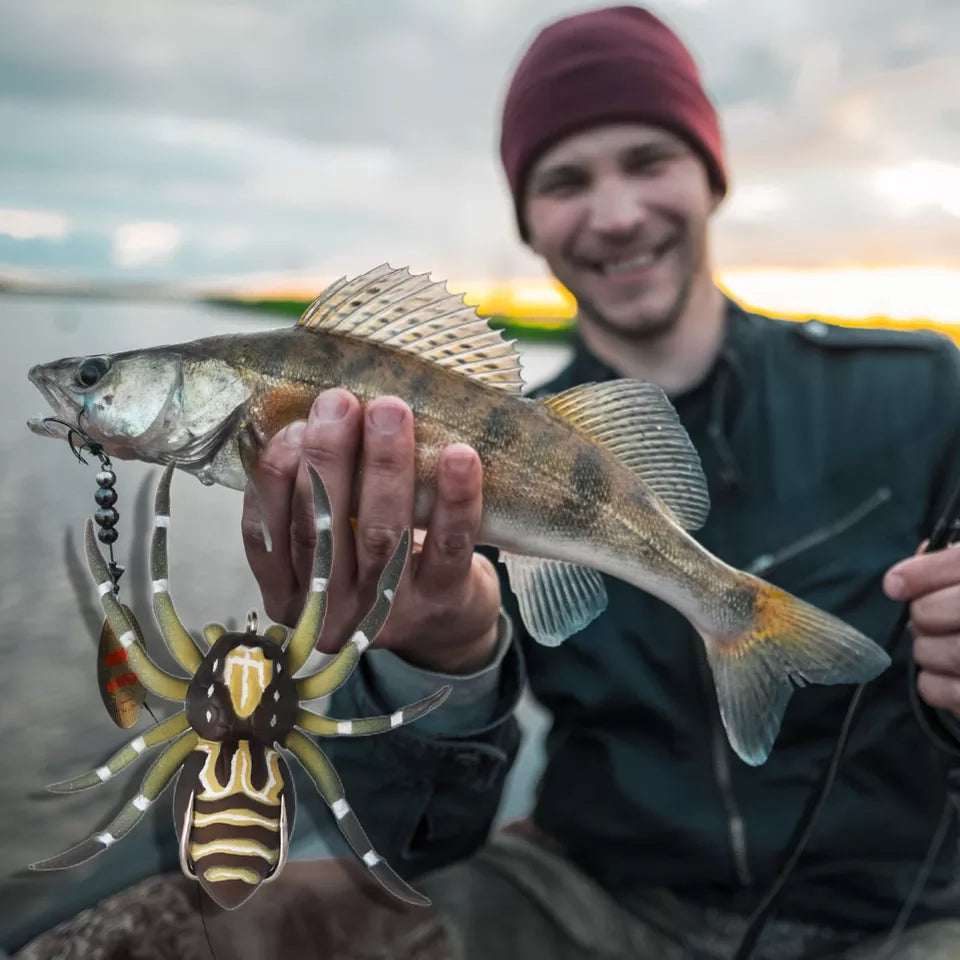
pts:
pixel 52 721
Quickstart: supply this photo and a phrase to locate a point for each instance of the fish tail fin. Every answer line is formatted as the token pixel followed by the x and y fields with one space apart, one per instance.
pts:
pixel 786 643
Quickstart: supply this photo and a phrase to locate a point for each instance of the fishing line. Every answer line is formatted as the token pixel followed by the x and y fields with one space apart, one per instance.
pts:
pixel 203 921
pixel 945 532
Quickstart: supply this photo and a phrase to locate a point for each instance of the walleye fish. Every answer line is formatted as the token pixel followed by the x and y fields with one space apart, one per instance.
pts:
pixel 601 478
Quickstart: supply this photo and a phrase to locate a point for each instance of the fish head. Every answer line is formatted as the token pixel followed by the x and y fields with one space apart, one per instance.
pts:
pixel 157 405
pixel 117 400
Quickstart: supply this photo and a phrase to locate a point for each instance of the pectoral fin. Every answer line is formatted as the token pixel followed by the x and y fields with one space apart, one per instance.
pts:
pixel 556 599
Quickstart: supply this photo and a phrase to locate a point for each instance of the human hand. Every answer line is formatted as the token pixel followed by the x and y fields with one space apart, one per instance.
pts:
pixel 931 583
pixel 445 613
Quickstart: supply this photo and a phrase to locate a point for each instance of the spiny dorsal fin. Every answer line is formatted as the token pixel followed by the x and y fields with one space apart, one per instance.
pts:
pixel 412 313
pixel 635 420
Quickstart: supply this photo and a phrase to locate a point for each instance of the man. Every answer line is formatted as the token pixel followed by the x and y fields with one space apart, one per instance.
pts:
pixel 829 454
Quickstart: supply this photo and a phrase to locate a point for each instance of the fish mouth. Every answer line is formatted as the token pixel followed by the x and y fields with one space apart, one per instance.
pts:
pixel 60 402
pixel 45 427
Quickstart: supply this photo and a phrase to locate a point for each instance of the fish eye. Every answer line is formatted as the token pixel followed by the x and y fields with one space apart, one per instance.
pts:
pixel 91 370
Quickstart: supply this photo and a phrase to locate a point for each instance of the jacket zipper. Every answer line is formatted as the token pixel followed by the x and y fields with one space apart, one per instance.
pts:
pixel 736 825
pixel 766 561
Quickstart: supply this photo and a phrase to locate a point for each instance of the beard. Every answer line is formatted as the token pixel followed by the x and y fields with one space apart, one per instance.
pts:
pixel 651 327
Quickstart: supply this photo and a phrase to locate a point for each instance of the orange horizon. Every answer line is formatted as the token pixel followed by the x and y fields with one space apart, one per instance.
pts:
pixel 895 295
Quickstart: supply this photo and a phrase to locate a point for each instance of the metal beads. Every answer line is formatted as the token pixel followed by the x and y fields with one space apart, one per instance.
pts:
pixel 106 517
pixel 105 496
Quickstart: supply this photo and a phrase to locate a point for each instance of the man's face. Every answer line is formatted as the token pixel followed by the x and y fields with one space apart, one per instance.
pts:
pixel 620 213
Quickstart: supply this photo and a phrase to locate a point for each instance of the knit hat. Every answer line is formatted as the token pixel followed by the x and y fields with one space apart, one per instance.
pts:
pixel 613 65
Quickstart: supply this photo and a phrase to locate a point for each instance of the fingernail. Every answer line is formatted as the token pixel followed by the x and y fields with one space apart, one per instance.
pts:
pixel 460 463
pixel 386 418
pixel 292 434
pixel 329 406
pixel 895 586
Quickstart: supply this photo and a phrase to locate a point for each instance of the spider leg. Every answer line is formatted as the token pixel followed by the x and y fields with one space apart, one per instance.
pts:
pixel 326 727
pixel 161 733
pixel 212 632
pixel 151 676
pixel 331 789
pixel 156 779
pixel 334 673
pixel 177 638
pixel 305 634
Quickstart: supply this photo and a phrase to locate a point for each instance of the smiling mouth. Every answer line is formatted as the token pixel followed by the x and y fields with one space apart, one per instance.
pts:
pixel 627 265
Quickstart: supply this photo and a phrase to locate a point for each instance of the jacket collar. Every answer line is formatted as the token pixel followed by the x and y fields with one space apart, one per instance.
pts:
pixel 738 345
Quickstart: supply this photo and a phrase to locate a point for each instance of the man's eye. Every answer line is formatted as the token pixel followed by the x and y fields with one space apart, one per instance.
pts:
pixel 560 187
pixel 90 371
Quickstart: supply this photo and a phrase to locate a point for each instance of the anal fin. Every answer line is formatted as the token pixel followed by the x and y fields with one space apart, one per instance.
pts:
pixel 556 599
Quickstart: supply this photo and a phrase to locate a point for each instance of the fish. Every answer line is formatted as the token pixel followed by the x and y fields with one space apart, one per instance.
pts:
pixel 600 479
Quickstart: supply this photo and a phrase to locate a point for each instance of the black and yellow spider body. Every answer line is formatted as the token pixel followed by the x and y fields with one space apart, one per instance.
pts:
pixel 234 803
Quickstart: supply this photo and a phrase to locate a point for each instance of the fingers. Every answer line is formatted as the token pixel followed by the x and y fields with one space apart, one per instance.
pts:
pixel 938 654
pixel 940 691
pixel 387 487
pixel 274 477
pixel 923 574
pixel 331 440
pixel 454 522
pixel 936 613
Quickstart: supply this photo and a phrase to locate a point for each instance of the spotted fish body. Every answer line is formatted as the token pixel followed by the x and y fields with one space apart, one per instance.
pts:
pixel 600 479
pixel 232 809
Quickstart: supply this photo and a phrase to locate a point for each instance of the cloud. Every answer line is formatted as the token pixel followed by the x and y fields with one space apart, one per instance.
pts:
pixel 34 225
pixel 296 135
pixel 919 185
pixel 145 242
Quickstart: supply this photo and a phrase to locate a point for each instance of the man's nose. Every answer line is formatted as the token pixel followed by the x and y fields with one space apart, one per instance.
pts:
pixel 616 207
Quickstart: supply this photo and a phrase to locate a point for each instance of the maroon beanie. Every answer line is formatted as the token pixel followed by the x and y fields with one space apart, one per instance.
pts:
pixel 614 65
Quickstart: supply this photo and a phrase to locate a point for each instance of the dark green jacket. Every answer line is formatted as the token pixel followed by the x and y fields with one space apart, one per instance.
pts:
pixel 828 452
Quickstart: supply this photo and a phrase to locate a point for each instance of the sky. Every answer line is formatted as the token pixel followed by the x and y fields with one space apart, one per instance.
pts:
pixel 186 140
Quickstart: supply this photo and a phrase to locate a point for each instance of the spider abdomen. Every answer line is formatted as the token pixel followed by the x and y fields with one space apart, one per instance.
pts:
pixel 234 814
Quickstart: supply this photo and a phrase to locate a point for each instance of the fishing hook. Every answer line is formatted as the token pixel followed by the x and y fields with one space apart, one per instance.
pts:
pixel 88 443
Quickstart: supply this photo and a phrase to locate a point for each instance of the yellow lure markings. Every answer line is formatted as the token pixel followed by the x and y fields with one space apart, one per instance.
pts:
pixel 240 848
pixel 240 817
pixel 239 781
pixel 219 874
pixel 247 674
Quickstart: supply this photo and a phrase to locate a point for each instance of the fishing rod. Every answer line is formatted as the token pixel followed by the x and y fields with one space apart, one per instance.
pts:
pixel 945 532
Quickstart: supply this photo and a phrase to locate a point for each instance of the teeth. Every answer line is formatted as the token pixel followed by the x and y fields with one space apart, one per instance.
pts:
pixel 638 262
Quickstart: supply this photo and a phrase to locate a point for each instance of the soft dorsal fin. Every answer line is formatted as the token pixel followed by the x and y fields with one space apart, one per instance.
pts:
pixel 412 313
pixel 635 420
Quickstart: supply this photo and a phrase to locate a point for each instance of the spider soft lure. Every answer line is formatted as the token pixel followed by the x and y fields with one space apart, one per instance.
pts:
pixel 234 801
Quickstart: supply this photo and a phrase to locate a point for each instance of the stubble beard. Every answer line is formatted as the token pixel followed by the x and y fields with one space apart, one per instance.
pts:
pixel 651 328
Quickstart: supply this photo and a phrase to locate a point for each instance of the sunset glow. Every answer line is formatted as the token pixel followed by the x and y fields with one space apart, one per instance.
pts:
pixel 905 297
